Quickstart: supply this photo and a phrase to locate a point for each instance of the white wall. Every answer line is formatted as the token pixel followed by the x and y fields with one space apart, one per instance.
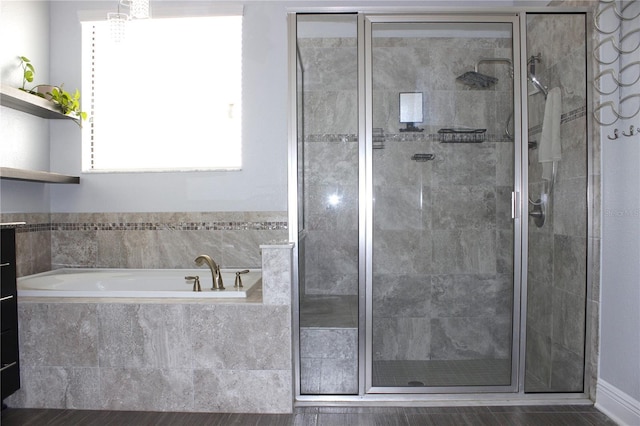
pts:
pixel 24 139
pixel 260 186
pixel 618 391
pixel 619 368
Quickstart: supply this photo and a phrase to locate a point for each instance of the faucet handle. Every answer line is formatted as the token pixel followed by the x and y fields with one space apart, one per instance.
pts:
pixel 238 283
pixel 217 281
pixel 196 282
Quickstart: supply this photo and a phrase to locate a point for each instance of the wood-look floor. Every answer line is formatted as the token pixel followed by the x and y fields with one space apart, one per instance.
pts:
pixel 549 415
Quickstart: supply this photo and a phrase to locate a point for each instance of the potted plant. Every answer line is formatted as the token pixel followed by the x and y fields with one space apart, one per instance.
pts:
pixel 67 104
pixel 28 72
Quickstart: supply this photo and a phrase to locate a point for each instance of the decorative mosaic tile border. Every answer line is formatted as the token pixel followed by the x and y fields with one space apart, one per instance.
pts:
pixel 155 226
pixel 331 137
pixel 33 227
pixel 395 137
pixel 565 118
pixel 434 137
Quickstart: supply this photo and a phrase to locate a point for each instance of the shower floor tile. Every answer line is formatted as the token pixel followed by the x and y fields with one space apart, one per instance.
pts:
pixel 476 372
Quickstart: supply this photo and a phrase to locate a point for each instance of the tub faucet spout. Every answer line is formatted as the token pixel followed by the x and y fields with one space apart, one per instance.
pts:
pixel 215 270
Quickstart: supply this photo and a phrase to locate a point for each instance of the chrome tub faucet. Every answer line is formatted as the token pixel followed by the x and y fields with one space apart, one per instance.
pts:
pixel 215 270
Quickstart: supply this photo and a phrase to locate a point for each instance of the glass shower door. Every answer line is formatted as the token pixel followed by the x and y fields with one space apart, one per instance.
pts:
pixel 442 261
pixel 558 223
pixel 327 190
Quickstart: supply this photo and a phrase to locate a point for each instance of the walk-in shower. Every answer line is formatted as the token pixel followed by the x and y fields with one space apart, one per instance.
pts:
pixel 420 269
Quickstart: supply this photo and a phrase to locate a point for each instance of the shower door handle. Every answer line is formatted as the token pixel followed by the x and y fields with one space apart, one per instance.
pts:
pixel 515 205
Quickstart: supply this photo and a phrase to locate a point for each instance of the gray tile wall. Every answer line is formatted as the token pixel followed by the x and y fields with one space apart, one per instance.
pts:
pixel 468 255
pixel 33 242
pixel 557 274
pixel 330 166
pixel 442 229
pixel 421 299
pixel 143 240
pixel 214 357
pixel 329 246
pixel 328 360
pixel 166 357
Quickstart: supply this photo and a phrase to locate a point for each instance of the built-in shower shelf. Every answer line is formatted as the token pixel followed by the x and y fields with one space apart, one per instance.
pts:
pixel 29 103
pixel 25 175
pixel 457 135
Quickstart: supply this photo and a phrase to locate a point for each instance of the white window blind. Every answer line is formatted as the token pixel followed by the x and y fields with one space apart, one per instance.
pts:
pixel 166 97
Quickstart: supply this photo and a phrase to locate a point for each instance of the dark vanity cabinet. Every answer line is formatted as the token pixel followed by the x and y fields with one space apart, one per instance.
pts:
pixel 10 365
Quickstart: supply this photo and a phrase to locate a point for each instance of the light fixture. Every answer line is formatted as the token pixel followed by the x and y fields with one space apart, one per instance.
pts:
pixel 117 25
pixel 139 9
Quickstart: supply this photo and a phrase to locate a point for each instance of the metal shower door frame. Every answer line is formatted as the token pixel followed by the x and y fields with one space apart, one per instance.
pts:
pixel 385 396
pixel 365 138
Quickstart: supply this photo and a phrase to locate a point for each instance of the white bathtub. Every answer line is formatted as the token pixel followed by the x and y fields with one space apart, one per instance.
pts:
pixel 135 283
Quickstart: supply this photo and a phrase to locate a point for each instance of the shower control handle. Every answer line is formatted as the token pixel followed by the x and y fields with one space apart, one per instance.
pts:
pixel 538 213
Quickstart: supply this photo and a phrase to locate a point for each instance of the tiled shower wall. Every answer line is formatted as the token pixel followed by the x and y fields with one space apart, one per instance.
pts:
pixel 430 299
pixel 330 165
pixel 442 255
pixel 143 240
pixel 557 273
pixel 329 245
pixel 430 292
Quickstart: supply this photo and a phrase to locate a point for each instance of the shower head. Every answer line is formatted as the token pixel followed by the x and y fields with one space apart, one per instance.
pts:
pixel 536 83
pixel 531 74
pixel 477 80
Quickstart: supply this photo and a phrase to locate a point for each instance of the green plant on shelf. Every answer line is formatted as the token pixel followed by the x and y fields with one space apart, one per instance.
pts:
pixel 67 103
pixel 28 72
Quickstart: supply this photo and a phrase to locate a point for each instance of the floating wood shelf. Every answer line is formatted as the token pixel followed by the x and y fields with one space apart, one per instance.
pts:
pixel 40 107
pixel 31 104
pixel 36 176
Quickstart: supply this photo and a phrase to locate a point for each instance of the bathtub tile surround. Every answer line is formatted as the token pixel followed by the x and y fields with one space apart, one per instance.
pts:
pixel 246 391
pixel 33 242
pixel 74 342
pixel 143 240
pixel 229 329
pixel 225 356
pixel 72 387
pixel 163 240
pixel 276 269
pixel 128 332
pixel 129 389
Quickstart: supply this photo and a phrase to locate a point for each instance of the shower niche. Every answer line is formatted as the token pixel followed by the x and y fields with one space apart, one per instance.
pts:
pixel 420 270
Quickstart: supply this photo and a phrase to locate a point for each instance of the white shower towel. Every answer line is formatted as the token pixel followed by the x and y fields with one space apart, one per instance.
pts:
pixel 549 150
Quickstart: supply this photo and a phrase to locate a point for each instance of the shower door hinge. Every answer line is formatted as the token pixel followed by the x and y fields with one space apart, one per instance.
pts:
pixel 515 202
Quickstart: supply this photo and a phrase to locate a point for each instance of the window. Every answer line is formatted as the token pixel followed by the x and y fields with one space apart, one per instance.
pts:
pixel 166 97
